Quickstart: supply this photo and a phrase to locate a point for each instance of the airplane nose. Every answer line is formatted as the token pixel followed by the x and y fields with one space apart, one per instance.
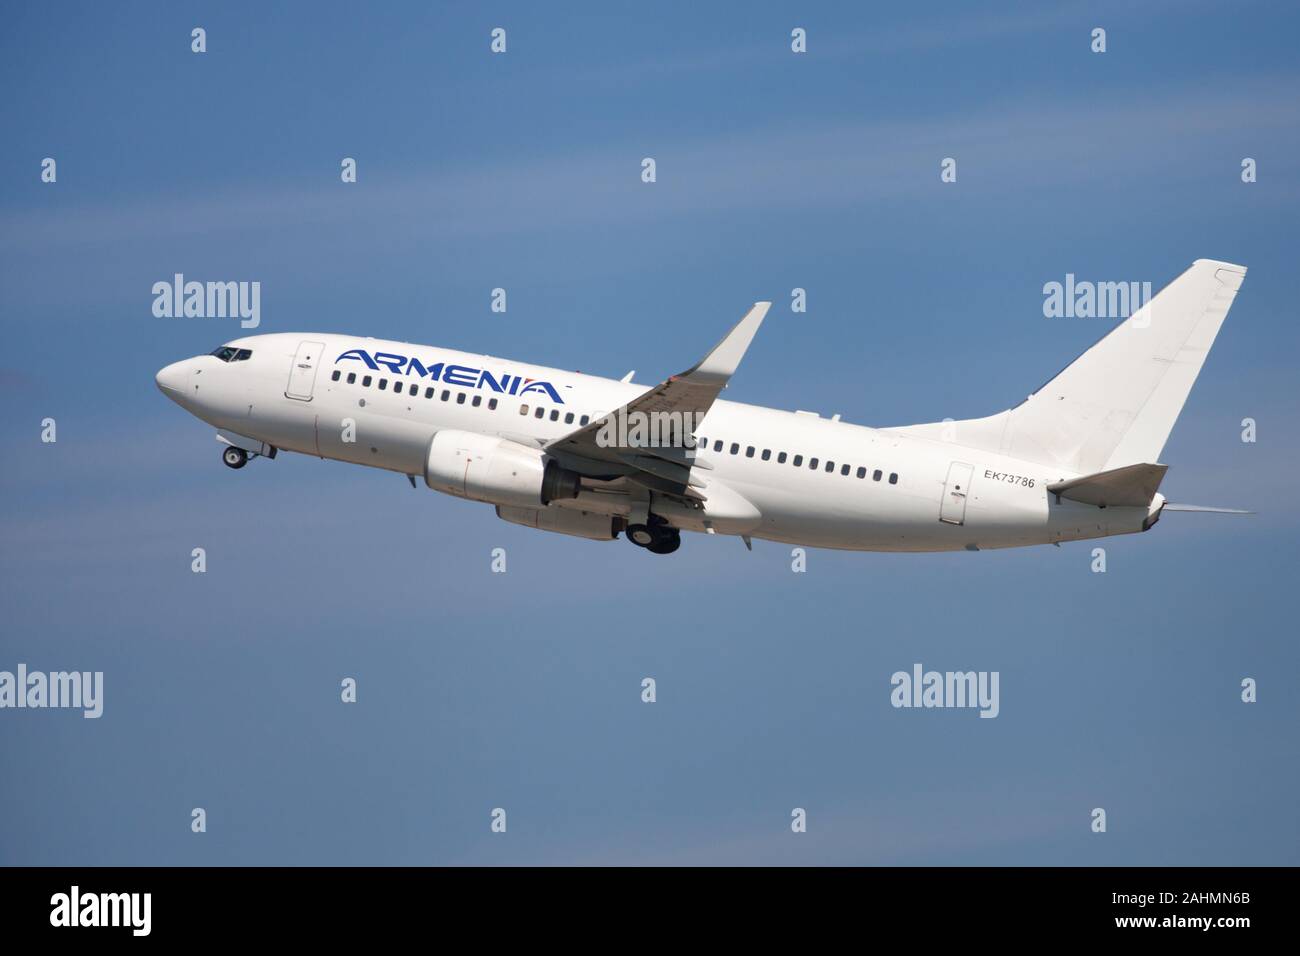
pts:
pixel 170 380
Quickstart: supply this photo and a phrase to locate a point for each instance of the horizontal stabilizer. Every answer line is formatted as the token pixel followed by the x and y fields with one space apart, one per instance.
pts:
pixel 1205 510
pixel 1131 486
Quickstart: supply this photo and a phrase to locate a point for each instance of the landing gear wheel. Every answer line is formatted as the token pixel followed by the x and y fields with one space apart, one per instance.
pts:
pixel 640 535
pixel 656 536
pixel 234 457
pixel 670 541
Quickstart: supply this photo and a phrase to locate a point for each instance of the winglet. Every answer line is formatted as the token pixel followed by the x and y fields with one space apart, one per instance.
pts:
pixel 721 363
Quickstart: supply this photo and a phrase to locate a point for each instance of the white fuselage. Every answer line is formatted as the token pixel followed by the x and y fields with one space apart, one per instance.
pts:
pixel 907 500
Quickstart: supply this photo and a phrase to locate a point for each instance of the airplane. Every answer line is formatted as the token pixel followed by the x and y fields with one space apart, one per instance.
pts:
pixel 595 457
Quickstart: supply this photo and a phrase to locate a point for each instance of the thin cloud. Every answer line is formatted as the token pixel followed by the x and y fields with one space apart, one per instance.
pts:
pixel 1008 148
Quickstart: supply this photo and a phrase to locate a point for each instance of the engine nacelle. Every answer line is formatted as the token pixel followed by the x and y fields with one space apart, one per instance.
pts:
pixel 496 470
pixel 582 524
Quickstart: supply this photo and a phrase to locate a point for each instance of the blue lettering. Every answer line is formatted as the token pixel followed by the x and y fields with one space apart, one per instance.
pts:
pixel 357 354
pixel 391 362
pixel 487 379
pixel 460 375
pixel 542 387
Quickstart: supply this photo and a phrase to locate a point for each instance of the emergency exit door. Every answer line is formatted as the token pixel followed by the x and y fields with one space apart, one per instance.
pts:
pixel 953 508
pixel 302 375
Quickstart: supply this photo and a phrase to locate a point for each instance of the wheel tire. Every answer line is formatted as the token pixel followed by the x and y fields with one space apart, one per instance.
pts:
pixel 668 543
pixel 640 535
pixel 234 457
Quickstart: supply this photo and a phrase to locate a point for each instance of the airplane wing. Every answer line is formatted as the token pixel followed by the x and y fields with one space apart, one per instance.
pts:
pixel 616 444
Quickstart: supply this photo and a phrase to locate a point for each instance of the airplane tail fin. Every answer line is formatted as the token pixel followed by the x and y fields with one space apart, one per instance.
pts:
pixel 1116 404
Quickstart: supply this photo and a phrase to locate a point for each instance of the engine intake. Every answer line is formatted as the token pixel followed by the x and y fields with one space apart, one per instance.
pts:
pixel 496 470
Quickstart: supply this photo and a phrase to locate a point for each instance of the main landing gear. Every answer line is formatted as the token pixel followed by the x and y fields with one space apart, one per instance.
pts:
pixel 655 536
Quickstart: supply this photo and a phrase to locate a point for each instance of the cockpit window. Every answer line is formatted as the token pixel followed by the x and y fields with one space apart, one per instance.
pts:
pixel 243 354
pixel 225 353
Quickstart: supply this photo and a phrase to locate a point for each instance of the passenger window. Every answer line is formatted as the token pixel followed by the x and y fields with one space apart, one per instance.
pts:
pixel 812 463
pixel 415 390
pixel 749 452
pixel 523 409
pixel 478 400
pixel 383 384
pixel 862 472
pixel 717 445
pixel 446 394
pixel 830 466
pixel 335 376
pixel 555 414
pixel 428 392
pixel 365 382
pixel 893 478
pixel 568 418
pixel 460 398
pixel 875 475
pixel 492 404
pixel 780 459
pixel 735 448
pixel 352 377
pixel 540 413
pixel 844 471
pixel 583 420
pixel 767 454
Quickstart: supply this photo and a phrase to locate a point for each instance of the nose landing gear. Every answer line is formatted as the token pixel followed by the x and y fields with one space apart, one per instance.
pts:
pixel 240 453
pixel 655 536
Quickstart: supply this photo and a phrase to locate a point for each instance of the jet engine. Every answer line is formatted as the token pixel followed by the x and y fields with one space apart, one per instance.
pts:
pixel 496 470
pixel 582 524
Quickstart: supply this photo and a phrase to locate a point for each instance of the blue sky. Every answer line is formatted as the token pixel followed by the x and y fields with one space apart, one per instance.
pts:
pixel 522 690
